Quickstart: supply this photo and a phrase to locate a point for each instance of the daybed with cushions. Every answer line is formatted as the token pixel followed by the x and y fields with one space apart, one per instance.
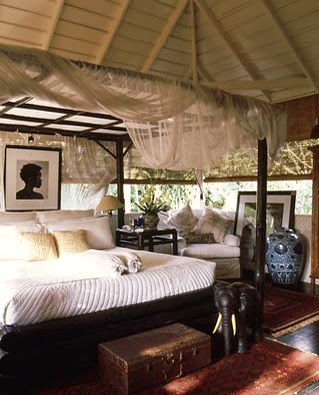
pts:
pixel 65 287
pixel 206 234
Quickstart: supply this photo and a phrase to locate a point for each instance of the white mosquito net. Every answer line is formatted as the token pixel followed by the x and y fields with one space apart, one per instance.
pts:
pixel 173 125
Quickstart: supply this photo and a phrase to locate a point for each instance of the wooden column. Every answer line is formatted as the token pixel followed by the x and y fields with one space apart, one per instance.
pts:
pixel 315 219
pixel 120 179
pixel 261 218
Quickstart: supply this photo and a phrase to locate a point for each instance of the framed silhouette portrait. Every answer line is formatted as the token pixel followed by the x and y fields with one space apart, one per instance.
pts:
pixel 32 178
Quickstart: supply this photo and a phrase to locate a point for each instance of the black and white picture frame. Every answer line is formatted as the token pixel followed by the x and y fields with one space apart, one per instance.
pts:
pixel 32 178
pixel 280 210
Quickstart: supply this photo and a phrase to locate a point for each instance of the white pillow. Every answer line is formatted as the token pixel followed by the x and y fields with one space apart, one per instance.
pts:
pixel 24 226
pixel 10 243
pixel 6 216
pixel 212 222
pixel 63 215
pixel 98 232
pixel 10 247
pixel 183 220
pixel 232 240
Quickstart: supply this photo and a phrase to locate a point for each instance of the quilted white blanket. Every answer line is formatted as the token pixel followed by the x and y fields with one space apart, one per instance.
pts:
pixel 32 292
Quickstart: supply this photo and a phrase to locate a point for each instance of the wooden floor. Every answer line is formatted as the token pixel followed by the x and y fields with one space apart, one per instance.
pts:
pixel 306 338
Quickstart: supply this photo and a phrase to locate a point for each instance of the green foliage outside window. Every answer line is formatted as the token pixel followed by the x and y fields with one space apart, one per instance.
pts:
pixel 223 195
pixel 174 196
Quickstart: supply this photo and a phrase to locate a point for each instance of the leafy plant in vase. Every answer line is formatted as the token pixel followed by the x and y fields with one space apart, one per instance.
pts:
pixel 150 206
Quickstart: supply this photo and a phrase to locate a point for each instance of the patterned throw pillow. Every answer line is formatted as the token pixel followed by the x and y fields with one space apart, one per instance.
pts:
pixel 183 220
pixel 71 241
pixel 204 238
pixel 38 246
pixel 212 222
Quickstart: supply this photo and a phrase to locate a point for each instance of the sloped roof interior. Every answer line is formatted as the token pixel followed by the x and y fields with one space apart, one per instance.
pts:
pixel 268 49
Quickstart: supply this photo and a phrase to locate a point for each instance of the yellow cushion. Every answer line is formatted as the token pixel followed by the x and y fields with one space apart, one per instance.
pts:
pixel 71 241
pixel 38 246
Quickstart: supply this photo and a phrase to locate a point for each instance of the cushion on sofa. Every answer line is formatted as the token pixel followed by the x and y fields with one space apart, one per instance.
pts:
pixel 204 238
pixel 211 221
pixel 210 251
pixel 232 240
pixel 183 220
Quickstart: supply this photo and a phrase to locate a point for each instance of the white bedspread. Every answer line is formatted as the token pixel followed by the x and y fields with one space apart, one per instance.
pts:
pixel 32 292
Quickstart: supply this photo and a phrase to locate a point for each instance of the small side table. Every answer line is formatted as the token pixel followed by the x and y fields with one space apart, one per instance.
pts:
pixel 146 238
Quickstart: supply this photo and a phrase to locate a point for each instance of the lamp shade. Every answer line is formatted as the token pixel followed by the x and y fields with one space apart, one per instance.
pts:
pixel 109 203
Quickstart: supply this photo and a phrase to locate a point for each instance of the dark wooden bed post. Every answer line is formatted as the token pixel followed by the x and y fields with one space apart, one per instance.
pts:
pixel 120 179
pixel 261 219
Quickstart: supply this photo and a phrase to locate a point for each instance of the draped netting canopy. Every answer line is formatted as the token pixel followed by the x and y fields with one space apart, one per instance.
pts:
pixel 174 125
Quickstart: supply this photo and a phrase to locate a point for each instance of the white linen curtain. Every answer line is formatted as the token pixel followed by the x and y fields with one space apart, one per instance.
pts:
pixel 173 125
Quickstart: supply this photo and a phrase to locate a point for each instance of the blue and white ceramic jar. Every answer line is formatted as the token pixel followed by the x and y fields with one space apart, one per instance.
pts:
pixel 284 256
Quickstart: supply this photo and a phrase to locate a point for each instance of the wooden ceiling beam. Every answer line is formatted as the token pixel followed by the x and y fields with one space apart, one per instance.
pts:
pixel 262 84
pixel 118 17
pixel 110 126
pixel 202 5
pixel 166 31
pixel 70 133
pixel 14 105
pixel 44 122
pixel 204 74
pixel 36 107
pixel 51 132
pixel 193 41
pixel 289 42
pixel 53 22
pixel 52 125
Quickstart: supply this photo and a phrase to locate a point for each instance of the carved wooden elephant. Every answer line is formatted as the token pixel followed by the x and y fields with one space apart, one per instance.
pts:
pixel 239 306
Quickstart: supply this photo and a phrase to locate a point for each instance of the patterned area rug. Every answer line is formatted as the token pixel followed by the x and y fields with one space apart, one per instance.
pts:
pixel 267 368
pixel 286 311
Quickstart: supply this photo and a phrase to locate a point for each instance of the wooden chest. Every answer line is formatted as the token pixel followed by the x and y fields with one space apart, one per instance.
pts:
pixel 150 358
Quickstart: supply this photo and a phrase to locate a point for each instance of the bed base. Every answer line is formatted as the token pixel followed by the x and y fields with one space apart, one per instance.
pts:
pixel 49 348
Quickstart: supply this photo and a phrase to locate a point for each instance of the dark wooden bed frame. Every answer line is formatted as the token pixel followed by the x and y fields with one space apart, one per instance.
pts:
pixel 56 346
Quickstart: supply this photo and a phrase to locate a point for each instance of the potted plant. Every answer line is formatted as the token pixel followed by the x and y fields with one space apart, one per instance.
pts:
pixel 150 205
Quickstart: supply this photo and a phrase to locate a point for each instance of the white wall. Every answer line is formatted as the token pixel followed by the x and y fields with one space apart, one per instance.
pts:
pixel 303 226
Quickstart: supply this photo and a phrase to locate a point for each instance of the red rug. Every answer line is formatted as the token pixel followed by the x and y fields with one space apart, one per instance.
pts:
pixel 268 368
pixel 286 311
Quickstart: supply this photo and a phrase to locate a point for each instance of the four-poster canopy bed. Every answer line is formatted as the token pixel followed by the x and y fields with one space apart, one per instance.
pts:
pixel 173 125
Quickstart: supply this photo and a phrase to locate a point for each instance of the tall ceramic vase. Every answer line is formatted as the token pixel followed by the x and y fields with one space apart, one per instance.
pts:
pixel 284 256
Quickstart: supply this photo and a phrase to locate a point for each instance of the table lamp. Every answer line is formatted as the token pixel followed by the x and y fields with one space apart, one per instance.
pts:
pixel 109 203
